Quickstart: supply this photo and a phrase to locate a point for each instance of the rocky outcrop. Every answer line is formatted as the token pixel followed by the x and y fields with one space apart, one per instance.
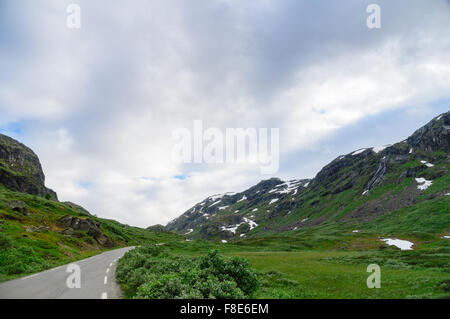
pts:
pixel 18 206
pixel 20 169
pixel 434 136
pixel 77 207
pixel 157 228
pixel 88 226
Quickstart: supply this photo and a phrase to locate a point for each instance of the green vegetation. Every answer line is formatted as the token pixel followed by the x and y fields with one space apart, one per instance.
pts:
pixel 32 241
pixel 151 272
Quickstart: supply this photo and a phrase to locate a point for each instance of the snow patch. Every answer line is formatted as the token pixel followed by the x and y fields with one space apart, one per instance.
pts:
pixel 355 231
pixel 233 228
pixel 215 203
pixel 189 231
pixel 378 149
pixel 365 192
pixel 243 198
pixel 223 207
pixel 402 244
pixel 427 164
pixel 224 241
pixel 273 201
pixel 251 223
pixel 255 210
pixel 446 237
pixel 423 183
pixel 359 151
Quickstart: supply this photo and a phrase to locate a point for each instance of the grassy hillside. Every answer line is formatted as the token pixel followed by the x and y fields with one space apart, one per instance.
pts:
pixel 32 241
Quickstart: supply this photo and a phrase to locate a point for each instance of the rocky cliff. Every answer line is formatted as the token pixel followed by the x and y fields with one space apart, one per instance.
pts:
pixel 20 169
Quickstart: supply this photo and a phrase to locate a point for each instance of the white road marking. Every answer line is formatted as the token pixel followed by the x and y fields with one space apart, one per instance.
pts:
pixel 107 270
pixel 104 295
pixel 110 265
pixel 105 280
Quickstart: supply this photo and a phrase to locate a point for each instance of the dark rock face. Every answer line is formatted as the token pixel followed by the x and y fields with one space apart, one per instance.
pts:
pixel 20 169
pixel 434 136
pixel 87 226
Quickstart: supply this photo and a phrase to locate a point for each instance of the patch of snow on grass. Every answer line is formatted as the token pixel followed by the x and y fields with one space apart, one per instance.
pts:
pixel 365 192
pixel 224 241
pixel 446 237
pixel 232 228
pixel 255 210
pixel 189 231
pixel 223 207
pixel 251 223
pixel 411 150
pixel 402 244
pixel 273 201
pixel 243 198
pixel 306 185
pixel 355 231
pixel 423 183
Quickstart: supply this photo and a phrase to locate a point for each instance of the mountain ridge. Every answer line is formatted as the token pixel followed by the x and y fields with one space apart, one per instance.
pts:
pixel 270 206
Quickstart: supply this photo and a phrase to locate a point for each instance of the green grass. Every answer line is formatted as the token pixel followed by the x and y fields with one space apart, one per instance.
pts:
pixel 312 274
pixel 25 251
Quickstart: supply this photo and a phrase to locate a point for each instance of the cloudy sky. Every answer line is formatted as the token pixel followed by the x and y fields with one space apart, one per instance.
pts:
pixel 99 104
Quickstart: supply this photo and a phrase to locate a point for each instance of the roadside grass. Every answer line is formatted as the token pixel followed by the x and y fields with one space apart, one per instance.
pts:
pixel 312 274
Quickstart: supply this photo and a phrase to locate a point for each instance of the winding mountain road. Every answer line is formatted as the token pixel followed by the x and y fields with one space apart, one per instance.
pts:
pixel 96 280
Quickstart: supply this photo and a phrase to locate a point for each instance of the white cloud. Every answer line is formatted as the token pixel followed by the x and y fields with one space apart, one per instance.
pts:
pixel 101 102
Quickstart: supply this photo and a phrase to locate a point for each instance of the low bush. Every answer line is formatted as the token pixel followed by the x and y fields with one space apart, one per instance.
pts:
pixel 152 272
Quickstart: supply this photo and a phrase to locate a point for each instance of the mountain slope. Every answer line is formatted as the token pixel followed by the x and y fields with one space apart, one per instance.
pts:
pixel 353 190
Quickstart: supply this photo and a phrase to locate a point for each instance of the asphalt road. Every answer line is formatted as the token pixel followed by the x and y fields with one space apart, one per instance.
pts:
pixel 96 280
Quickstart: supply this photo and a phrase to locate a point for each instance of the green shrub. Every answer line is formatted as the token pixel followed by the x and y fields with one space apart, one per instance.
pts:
pixel 151 272
pixel 19 260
